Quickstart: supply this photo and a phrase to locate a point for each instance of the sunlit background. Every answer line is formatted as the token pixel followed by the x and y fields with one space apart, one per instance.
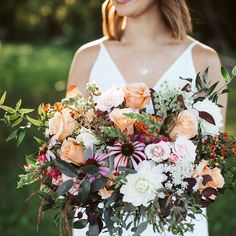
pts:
pixel 37 43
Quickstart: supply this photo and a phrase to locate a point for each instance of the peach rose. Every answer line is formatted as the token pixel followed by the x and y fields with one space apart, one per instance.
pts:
pixel 215 173
pixel 73 91
pixel 186 125
pixel 137 95
pixel 122 121
pixel 62 125
pixel 104 192
pixel 72 152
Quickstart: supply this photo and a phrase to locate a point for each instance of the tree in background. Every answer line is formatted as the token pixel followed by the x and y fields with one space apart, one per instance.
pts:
pixel 74 22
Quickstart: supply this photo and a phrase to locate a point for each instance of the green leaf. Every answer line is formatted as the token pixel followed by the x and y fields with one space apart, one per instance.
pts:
pixel 141 228
pixel 90 169
pixel 39 141
pixel 2 99
pixel 234 71
pixel 84 191
pixel 65 187
pixel 20 137
pixel 30 159
pixel 17 122
pixel 115 219
pixel 25 111
pixel 88 153
pixel 212 88
pixel 108 221
pixel 34 121
pixel 66 168
pixel 93 230
pixel 225 91
pixel 46 197
pixel 225 74
pixel 80 224
pixel 205 75
pixel 8 109
pixel 18 104
pixel 98 184
pixel 12 135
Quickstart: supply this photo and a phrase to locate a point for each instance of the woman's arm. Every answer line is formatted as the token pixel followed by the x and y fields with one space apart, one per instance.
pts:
pixel 81 66
pixel 204 57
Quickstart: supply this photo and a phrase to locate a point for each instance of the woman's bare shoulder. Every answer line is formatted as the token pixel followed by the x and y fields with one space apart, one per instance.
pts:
pixel 205 56
pixel 83 61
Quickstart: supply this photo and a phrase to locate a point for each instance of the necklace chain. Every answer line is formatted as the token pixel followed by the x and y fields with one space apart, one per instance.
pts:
pixel 145 66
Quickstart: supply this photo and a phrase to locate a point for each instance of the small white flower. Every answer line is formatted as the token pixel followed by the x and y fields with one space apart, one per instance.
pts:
pixel 87 138
pixel 141 188
pixel 111 98
pixel 210 107
pixel 185 148
pixel 158 151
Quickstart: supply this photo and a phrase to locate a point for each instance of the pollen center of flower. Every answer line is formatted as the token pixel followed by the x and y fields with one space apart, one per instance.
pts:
pixel 127 149
pixel 142 185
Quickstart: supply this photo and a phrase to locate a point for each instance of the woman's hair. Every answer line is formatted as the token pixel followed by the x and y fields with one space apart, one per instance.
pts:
pixel 175 13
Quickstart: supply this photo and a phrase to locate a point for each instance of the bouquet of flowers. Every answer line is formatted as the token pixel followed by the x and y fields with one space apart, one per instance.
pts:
pixel 120 167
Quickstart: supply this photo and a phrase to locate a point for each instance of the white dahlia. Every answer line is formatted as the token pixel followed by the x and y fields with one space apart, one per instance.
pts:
pixel 142 187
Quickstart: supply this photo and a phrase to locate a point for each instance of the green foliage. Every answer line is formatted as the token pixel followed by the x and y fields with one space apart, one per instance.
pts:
pixel 37 74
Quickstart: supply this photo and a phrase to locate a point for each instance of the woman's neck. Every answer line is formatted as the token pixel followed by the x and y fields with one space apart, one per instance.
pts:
pixel 147 28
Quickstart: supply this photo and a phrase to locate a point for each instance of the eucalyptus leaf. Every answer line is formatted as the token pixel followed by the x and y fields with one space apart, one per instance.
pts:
pixel 93 230
pixel 141 228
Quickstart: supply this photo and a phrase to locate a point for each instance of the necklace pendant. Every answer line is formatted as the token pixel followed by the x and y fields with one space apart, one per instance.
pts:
pixel 144 71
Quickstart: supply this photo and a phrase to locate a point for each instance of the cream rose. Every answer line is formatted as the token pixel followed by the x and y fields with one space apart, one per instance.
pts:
pixel 122 121
pixel 62 125
pixel 137 95
pixel 72 152
pixel 87 138
pixel 158 152
pixel 186 125
pixel 111 98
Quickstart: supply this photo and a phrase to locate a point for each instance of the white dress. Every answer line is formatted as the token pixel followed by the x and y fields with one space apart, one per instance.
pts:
pixel 106 75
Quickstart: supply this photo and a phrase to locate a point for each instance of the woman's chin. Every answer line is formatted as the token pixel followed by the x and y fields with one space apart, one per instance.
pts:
pixel 125 7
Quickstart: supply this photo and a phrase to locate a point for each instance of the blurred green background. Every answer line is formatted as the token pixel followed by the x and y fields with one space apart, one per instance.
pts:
pixel 37 43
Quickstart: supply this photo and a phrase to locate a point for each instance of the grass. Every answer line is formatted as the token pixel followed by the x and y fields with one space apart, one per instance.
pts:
pixel 38 74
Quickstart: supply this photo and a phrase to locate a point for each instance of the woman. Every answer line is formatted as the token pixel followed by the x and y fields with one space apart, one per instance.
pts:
pixel 145 41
